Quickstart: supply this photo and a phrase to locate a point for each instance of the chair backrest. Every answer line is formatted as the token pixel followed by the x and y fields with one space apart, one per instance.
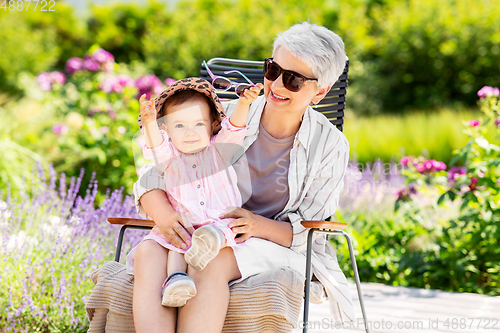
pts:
pixel 332 106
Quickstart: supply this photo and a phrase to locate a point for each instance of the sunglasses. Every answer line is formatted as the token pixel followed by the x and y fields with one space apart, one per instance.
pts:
pixel 292 81
pixel 221 83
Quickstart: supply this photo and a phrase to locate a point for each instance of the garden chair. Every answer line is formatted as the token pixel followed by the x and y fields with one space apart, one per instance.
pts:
pixel 268 302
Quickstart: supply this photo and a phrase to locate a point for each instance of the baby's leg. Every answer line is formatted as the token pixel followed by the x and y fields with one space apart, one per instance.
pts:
pixel 178 288
pixel 176 262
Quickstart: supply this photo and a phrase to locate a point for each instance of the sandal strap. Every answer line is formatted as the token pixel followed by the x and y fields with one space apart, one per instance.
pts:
pixel 171 276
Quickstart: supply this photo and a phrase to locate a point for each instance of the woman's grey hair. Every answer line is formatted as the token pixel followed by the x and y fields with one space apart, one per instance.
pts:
pixel 321 49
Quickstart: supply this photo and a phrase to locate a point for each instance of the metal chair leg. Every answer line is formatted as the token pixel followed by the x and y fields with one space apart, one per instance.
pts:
pixel 120 238
pixel 308 279
pixel 356 277
pixel 309 275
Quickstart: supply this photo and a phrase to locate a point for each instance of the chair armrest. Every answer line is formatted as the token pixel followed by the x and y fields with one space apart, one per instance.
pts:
pixel 324 225
pixel 131 221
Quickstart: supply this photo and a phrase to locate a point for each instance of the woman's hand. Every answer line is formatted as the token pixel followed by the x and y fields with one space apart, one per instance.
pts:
pixel 244 225
pixel 177 229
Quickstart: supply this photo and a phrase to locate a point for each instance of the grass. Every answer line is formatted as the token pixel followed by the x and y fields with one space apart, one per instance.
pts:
pixel 434 134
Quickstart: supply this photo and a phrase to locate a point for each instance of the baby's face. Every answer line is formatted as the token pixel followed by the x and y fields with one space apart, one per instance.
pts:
pixel 189 125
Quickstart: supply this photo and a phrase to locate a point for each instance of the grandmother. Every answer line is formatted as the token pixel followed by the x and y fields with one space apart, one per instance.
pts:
pixel 292 170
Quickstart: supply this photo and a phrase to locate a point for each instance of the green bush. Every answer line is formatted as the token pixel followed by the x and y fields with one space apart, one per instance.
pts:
pixel 34 41
pixel 203 29
pixel 419 53
pixel 121 28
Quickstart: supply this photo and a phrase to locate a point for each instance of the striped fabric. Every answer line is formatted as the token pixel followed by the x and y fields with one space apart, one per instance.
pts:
pixel 268 302
pixel 318 161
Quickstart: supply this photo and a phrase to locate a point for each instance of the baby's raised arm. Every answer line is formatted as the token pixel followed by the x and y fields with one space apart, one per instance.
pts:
pixel 240 114
pixel 152 135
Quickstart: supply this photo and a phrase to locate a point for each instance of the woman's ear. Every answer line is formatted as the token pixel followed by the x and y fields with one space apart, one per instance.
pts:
pixel 320 94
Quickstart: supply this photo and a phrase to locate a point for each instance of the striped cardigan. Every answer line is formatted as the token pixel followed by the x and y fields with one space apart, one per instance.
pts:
pixel 318 161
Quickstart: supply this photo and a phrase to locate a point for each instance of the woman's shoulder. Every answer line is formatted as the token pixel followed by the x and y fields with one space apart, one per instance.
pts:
pixel 326 129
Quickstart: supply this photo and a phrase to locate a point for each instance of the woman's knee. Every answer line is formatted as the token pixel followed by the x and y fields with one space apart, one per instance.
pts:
pixel 150 253
pixel 222 267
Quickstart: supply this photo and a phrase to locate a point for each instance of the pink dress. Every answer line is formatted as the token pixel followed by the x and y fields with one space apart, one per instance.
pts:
pixel 200 185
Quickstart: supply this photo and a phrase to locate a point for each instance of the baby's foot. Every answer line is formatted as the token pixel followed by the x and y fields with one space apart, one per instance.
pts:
pixel 178 288
pixel 206 244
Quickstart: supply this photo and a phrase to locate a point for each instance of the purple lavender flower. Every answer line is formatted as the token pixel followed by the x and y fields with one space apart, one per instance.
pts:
pixel 74 64
pixel 90 64
pixel 473 123
pixel 44 81
pixel 487 91
pixel 169 81
pixel 59 129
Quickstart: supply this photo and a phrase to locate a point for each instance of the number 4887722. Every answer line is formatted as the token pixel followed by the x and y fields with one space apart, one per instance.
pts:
pixel 25 5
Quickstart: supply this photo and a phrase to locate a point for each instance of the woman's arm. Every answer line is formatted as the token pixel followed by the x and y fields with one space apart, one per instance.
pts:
pixel 151 201
pixel 249 225
pixel 176 227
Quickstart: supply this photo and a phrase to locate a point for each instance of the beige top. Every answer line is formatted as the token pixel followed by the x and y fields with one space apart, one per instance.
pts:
pixel 268 162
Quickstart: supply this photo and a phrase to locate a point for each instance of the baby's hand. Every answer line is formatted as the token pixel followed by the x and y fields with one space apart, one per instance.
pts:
pixel 148 110
pixel 251 94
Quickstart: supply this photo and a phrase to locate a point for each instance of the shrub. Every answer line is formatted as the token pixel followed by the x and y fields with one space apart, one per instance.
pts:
pixel 50 242
pixel 468 250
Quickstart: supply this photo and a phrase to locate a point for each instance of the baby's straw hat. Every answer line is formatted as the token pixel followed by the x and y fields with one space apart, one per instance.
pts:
pixel 192 83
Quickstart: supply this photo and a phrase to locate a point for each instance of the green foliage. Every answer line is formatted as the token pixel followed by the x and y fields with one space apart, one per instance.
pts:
pixel 203 29
pixel 120 28
pixel 419 53
pixel 468 243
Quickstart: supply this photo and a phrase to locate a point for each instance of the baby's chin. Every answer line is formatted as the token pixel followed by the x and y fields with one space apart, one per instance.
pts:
pixel 192 151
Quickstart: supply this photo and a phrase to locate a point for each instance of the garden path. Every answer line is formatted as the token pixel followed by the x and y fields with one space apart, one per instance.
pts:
pixel 406 310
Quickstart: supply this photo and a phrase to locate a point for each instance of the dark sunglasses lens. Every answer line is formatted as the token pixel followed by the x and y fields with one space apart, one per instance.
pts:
pixel 241 89
pixel 292 82
pixel 272 71
pixel 221 84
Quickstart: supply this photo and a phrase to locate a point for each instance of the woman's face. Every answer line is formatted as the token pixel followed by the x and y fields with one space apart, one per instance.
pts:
pixel 280 99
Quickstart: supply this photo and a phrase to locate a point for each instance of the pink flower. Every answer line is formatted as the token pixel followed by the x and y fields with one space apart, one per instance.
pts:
pixel 74 64
pixel 148 84
pixel 420 168
pixel 487 91
pixel 104 129
pixel 90 64
pixel 497 121
pixel 405 160
pixel 44 81
pixel 473 123
pixel 57 77
pixel 169 81
pixel 102 56
pixel 438 165
pixel 116 84
pixel 59 129
pixel 455 172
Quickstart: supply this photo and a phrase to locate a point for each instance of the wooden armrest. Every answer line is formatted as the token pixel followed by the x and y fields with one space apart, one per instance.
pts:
pixel 324 225
pixel 131 221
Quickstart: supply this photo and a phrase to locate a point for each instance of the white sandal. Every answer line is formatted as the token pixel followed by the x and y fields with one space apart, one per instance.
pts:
pixel 177 289
pixel 207 241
